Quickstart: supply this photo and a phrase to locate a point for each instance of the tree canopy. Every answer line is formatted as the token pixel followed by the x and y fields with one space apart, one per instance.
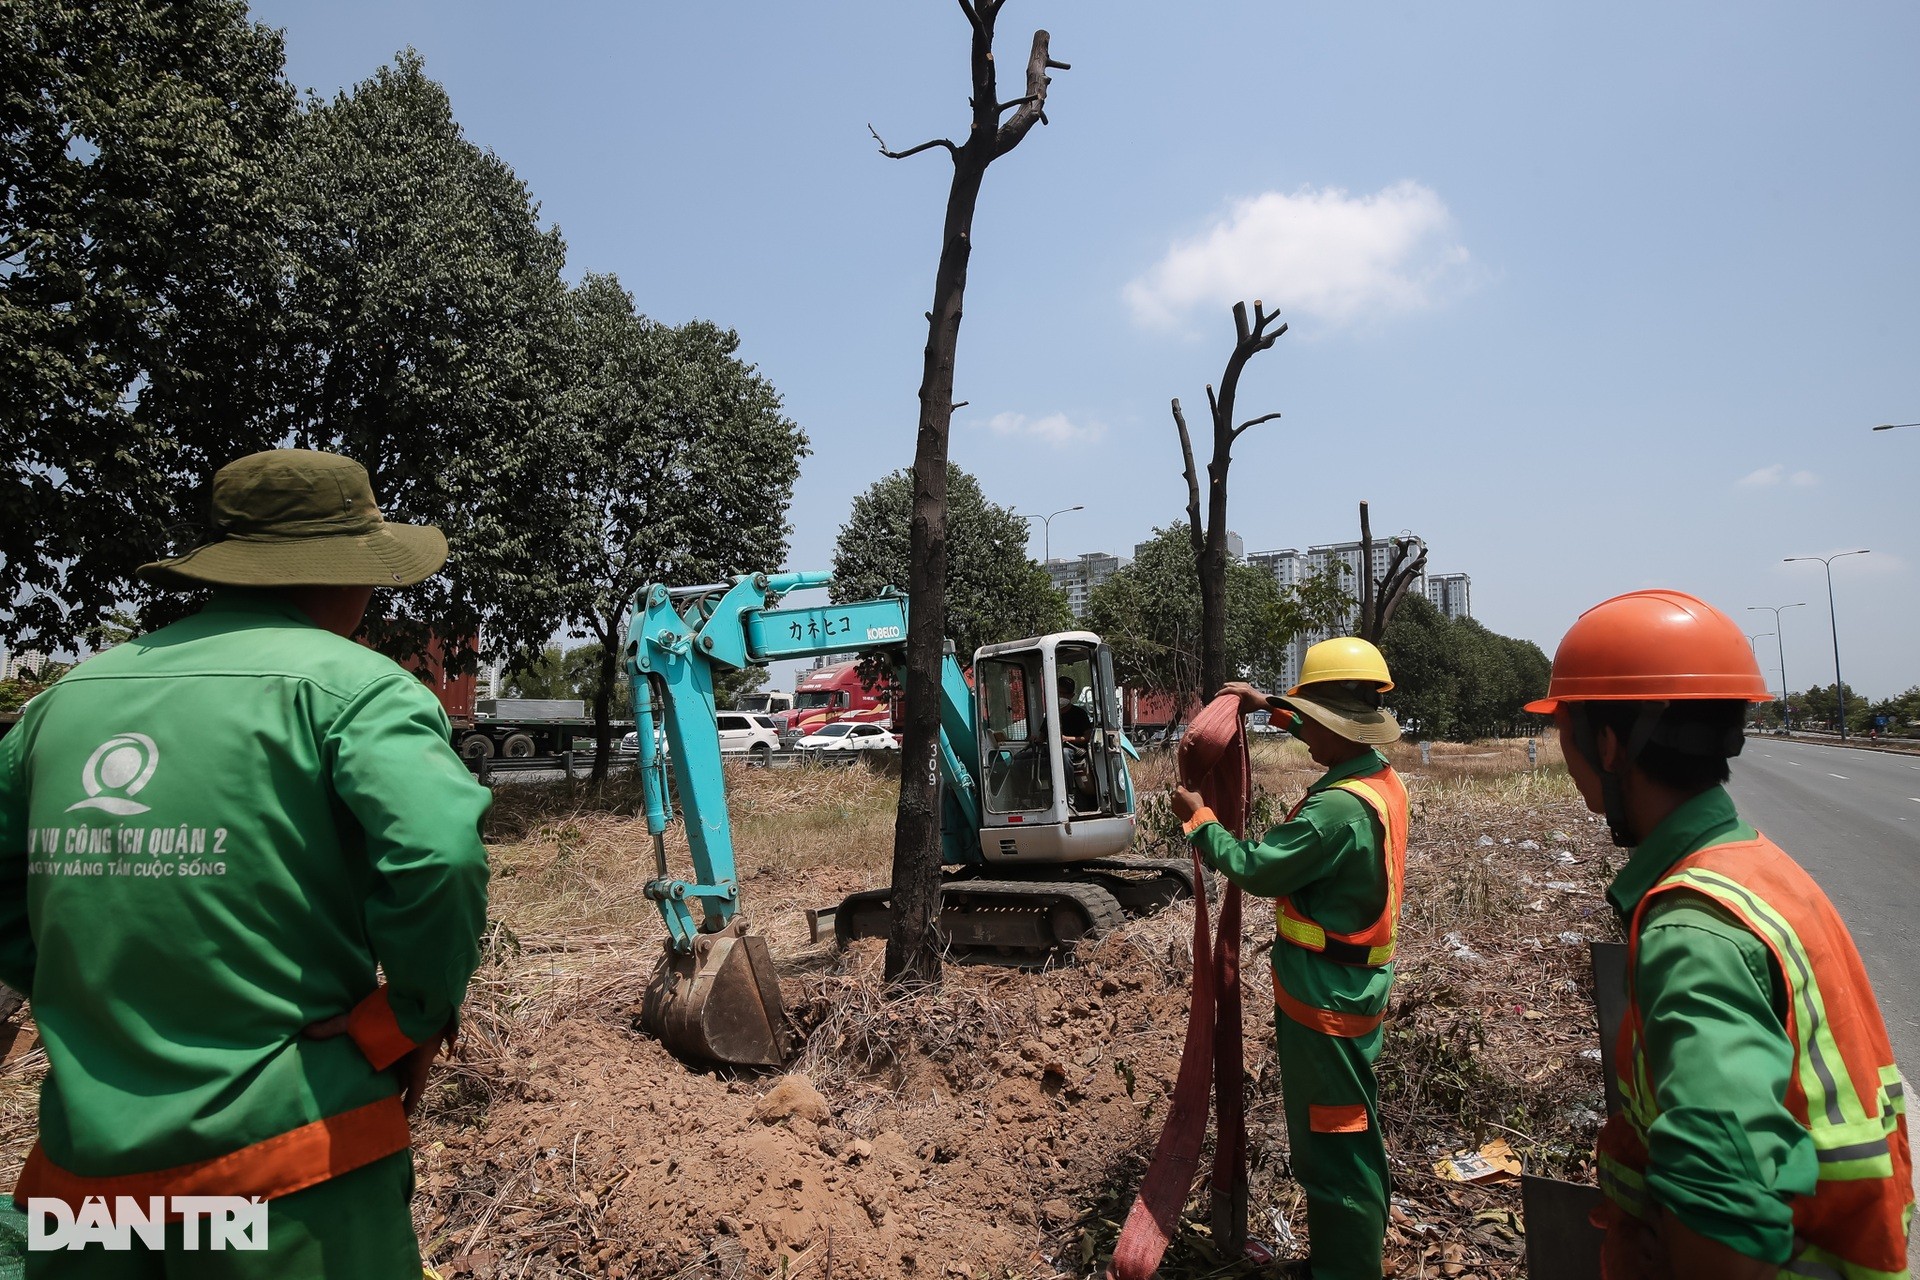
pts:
pixel 422 332
pixel 139 259
pixel 680 468
pixel 1453 678
pixel 1149 612
pixel 994 591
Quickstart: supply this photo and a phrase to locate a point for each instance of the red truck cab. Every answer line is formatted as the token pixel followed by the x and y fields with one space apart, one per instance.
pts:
pixel 834 692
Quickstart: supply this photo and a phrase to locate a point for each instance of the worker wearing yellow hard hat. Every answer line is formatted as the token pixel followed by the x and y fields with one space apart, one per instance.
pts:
pixel 1337 867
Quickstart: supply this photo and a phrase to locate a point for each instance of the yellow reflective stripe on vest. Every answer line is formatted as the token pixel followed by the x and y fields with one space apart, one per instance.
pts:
pixel 1894 1090
pixel 1303 933
pixel 1383 953
pixel 1817 1264
pixel 1830 1099
pixel 1624 1186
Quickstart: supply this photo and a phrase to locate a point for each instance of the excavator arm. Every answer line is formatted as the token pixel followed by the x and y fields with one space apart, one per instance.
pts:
pixel 715 995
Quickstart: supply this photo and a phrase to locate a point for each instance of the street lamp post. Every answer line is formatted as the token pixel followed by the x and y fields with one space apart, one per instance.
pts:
pixel 1839 688
pixel 1889 426
pixel 1046 529
pixel 1786 709
pixel 1754 640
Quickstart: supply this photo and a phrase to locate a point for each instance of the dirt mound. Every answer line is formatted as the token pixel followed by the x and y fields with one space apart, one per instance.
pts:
pixel 951 1132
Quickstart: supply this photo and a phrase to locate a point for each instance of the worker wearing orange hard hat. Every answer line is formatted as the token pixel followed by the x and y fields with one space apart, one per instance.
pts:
pixel 1336 866
pixel 1764 1129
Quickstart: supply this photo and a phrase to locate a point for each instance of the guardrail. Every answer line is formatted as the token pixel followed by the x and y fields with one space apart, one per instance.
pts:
pixel 574 765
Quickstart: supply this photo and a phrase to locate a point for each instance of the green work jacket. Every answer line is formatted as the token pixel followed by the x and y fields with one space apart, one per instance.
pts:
pixel 209 836
pixel 1329 859
pixel 1725 1155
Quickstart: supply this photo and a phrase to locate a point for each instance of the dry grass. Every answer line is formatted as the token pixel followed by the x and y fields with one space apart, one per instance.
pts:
pixel 1486 1036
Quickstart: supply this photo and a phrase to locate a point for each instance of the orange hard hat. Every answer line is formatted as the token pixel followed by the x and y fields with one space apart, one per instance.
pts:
pixel 1650 646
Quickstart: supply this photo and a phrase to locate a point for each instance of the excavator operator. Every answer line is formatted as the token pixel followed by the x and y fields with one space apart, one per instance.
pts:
pixel 1764 1128
pixel 1336 865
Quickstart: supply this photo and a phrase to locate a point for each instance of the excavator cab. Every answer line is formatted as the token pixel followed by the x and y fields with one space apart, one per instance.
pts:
pixel 1052 756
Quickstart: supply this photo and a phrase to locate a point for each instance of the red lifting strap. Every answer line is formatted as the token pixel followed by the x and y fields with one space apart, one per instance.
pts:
pixel 1213 760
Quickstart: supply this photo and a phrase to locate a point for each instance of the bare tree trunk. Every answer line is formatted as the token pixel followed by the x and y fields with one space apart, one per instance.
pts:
pixel 603 705
pixel 1367 629
pixel 1210 539
pixel 913 943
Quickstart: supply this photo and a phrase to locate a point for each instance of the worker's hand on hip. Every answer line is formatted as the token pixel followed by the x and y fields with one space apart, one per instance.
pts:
pixel 326 1028
pixel 1186 803
pixel 1251 699
pixel 413 1070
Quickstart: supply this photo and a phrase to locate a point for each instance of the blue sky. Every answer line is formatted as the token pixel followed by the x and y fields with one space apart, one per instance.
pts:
pixel 1592 298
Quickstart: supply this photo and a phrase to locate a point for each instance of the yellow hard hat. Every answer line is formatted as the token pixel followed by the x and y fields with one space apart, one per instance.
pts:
pixel 1344 658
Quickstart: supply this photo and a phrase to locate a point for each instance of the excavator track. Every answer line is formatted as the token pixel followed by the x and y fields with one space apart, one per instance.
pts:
pixel 1028 923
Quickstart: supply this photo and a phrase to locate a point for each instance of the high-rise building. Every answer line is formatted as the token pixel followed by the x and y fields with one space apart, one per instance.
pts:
pixel 13 665
pixel 1077 576
pixel 1451 594
pixel 1289 567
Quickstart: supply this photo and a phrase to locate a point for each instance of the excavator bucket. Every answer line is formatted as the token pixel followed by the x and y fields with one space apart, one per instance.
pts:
pixel 719 1003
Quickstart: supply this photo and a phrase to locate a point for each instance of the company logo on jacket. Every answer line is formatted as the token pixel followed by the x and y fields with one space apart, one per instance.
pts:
pixel 115 773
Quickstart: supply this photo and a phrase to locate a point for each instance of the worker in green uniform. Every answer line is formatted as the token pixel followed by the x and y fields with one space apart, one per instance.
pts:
pixel 1763 1129
pixel 1336 865
pixel 214 841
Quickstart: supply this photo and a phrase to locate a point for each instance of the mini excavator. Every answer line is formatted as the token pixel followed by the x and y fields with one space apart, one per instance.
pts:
pixel 1035 828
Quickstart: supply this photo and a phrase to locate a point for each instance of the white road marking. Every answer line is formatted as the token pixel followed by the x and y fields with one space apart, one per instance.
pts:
pixel 1794 763
pixel 1841 776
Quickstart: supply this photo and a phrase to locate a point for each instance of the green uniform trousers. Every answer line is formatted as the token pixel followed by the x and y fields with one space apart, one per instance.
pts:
pixel 1339 1156
pixel 353 1227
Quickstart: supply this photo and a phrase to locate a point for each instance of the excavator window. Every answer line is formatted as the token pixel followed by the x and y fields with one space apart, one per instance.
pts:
pixel 1013 726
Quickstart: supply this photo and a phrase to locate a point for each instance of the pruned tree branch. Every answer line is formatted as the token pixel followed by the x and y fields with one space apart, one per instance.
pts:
pixel 1193 476
pixel 1367 628
pixel 1033 105
pixel 912 151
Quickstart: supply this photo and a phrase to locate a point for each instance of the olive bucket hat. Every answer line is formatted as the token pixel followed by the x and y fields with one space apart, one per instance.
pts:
pixel 1350 708
pixel 300 518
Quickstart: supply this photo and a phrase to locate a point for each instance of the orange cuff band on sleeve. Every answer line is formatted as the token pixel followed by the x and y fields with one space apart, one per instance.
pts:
pixel 373 1028
pixel 1197 821
pixel 1347 1119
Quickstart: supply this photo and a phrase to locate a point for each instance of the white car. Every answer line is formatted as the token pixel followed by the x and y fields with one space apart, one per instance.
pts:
pixel 748 733
pixel 842 735
pixel 741 733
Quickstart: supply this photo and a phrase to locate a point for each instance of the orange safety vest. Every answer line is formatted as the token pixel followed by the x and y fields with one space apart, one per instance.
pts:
pixel 1844 1088
pixel 1372 947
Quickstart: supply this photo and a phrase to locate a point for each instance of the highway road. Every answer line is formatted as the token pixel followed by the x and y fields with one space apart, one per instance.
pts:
pixel 1852 819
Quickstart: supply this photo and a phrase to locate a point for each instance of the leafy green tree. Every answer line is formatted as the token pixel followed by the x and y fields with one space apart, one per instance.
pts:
pixel 994 592
pixel 422 332
pixel 1419 651
pixel 139 259
pixel 1455 678
pixel 1150 614
pixel 680 469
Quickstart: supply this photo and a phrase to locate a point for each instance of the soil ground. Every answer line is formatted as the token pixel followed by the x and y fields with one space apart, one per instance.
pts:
pixel 998 1125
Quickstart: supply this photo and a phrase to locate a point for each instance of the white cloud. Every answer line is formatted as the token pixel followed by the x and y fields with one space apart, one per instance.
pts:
pixel 1319 252
pixel 1777 473
pixel 1054 428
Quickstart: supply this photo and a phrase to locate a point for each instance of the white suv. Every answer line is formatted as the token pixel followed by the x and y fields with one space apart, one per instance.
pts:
pixel 748 733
